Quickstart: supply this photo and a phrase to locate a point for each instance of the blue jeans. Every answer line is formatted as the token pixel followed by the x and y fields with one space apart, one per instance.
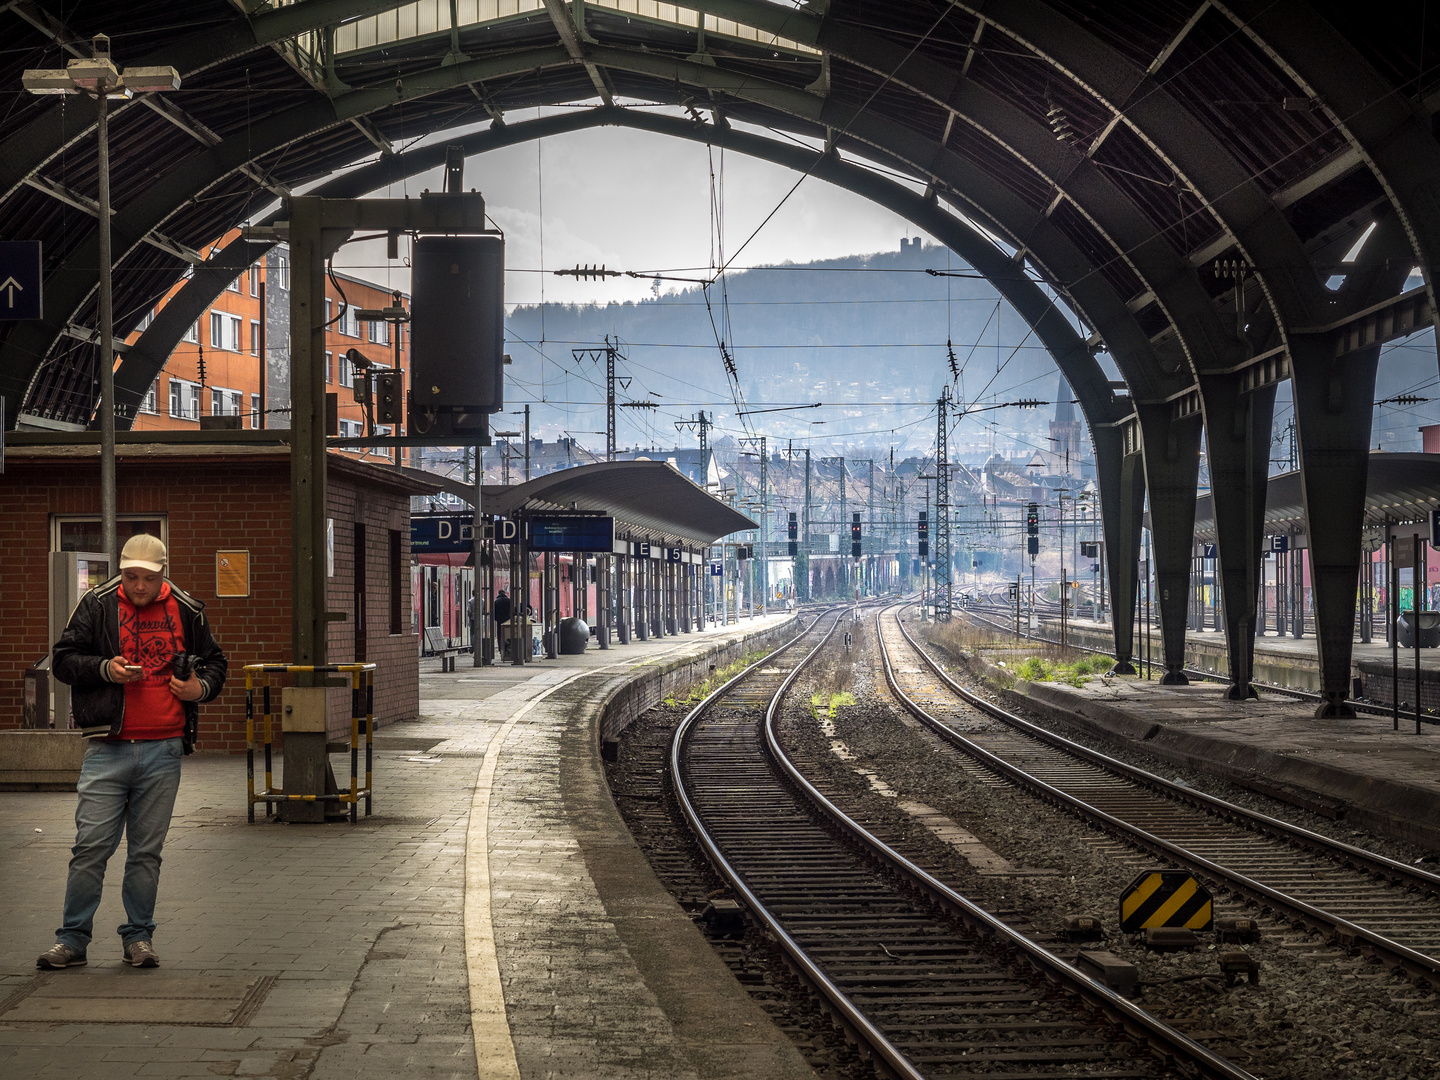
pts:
pixel 127 786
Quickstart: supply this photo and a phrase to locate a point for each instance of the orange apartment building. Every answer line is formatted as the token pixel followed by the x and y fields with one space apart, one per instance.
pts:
pixel 235 358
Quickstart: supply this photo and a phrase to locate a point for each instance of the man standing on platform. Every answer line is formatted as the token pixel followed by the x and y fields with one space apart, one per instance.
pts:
pixel 139 653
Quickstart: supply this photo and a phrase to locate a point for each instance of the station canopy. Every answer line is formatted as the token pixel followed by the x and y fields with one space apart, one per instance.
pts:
pixel 1101 163
pixel 650 500
pixel 1401 488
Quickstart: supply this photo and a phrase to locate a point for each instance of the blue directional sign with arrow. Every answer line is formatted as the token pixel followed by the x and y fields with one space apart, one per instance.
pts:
pixel 20 280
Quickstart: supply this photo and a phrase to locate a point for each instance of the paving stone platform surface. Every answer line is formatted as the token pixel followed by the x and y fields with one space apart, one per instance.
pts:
pixel 337 951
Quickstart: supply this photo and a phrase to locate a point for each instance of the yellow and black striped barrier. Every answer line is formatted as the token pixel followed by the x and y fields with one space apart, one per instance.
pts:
pixel 1166 898
pixel 362 721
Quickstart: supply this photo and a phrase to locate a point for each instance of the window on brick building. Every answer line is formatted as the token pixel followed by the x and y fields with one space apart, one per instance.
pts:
pixel 234 286
pixel 282 272
pixel 193 334
pixel 254 410
pixel 148 403
pixel 344 376
pixel 329 310
pixel 184 399
pixel 397 625
pixel 329 367
pixel 255 280
pixel 225 402
pixel 254 337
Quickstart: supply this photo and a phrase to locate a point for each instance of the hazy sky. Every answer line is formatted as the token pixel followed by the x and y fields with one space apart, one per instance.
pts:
pixel 637 201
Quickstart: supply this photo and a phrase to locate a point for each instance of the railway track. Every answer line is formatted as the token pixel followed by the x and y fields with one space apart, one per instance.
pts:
pixel 1361 899
pixel 928 983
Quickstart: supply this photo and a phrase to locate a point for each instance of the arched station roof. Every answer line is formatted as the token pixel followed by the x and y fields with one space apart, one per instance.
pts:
pixel 1094 159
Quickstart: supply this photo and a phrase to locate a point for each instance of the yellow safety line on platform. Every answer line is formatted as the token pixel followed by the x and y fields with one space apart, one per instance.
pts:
pixel 494 1048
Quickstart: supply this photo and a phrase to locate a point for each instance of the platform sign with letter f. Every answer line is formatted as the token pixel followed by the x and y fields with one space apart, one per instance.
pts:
pixel 20 280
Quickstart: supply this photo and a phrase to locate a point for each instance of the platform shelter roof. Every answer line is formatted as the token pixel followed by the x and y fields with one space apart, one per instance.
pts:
pixel 650 500
pixel 1402 487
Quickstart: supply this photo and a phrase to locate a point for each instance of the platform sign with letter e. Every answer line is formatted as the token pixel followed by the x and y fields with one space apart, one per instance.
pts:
pixel 20 280
pixel 1165 898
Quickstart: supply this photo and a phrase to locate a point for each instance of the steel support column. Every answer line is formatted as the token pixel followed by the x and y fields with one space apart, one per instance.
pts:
pixel 1332 415
pixel 1237 432
pixel 1120 477
pixel 1171 452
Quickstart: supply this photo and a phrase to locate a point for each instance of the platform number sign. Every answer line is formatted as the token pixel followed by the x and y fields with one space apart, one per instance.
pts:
pixel 1165 898
pixel 717 569
pixel 20 280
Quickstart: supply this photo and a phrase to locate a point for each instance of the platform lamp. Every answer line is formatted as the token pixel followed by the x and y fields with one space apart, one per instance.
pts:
pixel 96 76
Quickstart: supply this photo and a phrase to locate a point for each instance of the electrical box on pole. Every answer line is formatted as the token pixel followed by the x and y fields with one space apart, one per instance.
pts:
pixel 457 322
pixel 793 531
pixel 855 535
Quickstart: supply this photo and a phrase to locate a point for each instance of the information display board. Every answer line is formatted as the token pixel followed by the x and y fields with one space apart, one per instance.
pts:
pixel 442 534
pixel 572 532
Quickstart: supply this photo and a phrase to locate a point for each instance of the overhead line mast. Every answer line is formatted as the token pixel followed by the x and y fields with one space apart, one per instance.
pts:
pixel 942 511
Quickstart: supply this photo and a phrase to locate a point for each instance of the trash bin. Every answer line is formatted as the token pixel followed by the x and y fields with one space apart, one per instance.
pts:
pixel 574 636
pixel 35 712
pixel 1429 629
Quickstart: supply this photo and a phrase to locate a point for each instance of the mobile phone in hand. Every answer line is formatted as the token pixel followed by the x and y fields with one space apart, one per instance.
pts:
pixel 134 669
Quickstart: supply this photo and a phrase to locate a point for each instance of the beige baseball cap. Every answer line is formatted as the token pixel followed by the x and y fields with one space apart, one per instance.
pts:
pixel 145 552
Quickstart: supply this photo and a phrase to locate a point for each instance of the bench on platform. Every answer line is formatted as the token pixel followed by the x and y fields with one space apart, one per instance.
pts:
pixel 436 645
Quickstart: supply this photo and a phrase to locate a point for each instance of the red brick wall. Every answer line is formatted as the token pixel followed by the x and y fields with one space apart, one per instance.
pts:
pixel 215 502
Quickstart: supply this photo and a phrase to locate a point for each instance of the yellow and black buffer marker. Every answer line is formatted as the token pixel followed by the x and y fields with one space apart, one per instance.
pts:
pixel 1165 898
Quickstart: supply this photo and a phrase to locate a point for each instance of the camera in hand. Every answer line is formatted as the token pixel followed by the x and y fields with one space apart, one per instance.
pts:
pixel 182 666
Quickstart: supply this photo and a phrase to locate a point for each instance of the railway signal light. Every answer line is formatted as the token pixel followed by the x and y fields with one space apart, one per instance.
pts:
pixel 794 533
pixel 855 535
pixel 924 535
pixel 389 398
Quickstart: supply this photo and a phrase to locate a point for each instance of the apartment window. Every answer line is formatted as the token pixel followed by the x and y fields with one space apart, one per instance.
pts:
pixel 184 399
pixel 351 429
pixel 224 402
pixel 217 330
pixel 380 333
pixel 329 310
pixel 344 377
pixel 234 286
pixel 192 335
pixel 148 403
pixel 329 369
pixel 254 410
pixel 254 337
pixel 224 331
pixel 397 625
pixel 255 280
pixel 282 272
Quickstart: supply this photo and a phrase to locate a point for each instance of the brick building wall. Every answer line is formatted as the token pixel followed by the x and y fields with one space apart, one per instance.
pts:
pixel 223 499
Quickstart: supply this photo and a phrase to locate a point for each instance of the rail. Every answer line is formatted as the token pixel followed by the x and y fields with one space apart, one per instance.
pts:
pixel 1413 962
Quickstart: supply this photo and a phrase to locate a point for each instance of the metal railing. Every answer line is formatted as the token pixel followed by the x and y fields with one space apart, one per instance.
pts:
pixel 362 717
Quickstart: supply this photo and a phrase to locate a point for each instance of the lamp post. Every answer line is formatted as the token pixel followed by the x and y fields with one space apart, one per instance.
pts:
pixel 96 76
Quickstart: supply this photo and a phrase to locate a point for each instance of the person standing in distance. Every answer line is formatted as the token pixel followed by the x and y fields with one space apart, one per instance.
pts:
pixel 139 653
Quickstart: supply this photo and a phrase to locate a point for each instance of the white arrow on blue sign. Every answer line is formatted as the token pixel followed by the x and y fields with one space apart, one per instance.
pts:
pixel 21 291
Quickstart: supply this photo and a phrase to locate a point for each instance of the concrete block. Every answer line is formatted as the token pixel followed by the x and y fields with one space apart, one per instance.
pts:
pixel 40 759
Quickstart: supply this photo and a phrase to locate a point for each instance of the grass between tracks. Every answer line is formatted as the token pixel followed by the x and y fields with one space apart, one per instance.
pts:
pixel 701 690
pixel 1055 665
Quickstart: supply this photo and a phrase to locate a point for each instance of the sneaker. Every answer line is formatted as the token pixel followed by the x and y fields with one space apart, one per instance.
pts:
pixel 141 954
pixel 60 956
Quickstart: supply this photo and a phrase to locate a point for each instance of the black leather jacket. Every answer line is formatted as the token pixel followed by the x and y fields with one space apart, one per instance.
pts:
pixel 92 639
